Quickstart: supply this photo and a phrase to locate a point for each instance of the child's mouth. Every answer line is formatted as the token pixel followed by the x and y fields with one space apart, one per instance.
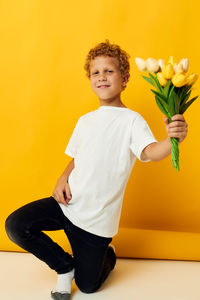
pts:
pixel 103 86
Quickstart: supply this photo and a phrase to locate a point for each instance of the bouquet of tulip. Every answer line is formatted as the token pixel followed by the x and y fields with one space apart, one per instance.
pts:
pixel 173 88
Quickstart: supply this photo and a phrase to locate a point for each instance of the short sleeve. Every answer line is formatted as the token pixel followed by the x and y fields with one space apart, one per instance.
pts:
pixel 141 136
pixel 74 141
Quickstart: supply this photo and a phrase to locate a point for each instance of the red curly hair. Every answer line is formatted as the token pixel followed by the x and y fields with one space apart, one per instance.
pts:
pixel 111 50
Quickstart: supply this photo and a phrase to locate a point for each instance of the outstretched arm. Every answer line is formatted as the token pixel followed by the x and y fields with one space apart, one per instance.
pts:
pixel 178 129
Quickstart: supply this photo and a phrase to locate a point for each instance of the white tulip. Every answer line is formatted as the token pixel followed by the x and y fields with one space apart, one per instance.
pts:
pixel 161 63
pixel 152 65
pixel 178 68
pixel 185 64
pixel 140 64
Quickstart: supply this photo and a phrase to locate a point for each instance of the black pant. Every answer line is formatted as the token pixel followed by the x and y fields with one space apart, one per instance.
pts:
pixel 91 258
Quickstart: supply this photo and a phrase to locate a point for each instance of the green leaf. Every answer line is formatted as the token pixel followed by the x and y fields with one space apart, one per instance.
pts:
pixel 166 88
pixel 187 88
pixel 180 91
pixel 160 95
pixel 185 97
pixel 185 106
pixel 149 80
pixel 162 108
pixel 171 91
pixel 171 103
pixel 176 103
pixel 163 102
pixel 156 82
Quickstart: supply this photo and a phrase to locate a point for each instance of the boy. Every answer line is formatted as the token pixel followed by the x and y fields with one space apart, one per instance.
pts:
pixel 87 198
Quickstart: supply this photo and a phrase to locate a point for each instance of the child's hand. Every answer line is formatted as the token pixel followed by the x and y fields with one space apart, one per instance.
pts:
pixel 178 128
pixel 62 191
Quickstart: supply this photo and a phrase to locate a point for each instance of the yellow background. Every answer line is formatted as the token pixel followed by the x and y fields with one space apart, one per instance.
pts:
pixel 44 90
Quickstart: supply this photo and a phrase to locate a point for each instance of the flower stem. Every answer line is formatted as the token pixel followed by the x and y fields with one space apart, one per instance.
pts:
pixel 175 152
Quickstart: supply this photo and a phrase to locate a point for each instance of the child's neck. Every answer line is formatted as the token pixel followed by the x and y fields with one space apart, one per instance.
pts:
pixel 118 104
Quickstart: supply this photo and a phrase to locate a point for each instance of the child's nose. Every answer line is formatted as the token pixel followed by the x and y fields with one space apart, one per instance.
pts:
pixel 101 77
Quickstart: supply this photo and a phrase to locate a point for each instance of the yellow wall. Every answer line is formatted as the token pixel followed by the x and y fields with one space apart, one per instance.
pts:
pixel 44 91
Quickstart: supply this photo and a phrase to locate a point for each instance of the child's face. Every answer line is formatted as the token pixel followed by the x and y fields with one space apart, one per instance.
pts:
pixel 104 71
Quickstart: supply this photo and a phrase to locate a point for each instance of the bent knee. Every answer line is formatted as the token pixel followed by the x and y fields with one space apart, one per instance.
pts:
pixel 13 227
pixel 86 288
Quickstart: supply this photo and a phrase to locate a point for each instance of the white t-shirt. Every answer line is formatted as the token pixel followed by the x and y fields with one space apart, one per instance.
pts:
pixel 104 144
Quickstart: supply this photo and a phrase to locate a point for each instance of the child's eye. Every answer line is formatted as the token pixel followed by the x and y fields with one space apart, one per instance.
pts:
pixel 107 70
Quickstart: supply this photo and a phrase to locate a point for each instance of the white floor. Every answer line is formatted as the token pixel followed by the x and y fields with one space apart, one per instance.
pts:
pixel 25 277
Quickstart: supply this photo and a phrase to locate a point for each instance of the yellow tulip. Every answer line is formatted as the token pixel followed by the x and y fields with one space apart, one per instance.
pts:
pixel 171 60
pixel 161 79
pixel 191 78
pixel 179 79
pixel 168 71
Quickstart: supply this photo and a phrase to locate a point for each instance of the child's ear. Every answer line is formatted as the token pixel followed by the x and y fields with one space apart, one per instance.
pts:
pixel 126 79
